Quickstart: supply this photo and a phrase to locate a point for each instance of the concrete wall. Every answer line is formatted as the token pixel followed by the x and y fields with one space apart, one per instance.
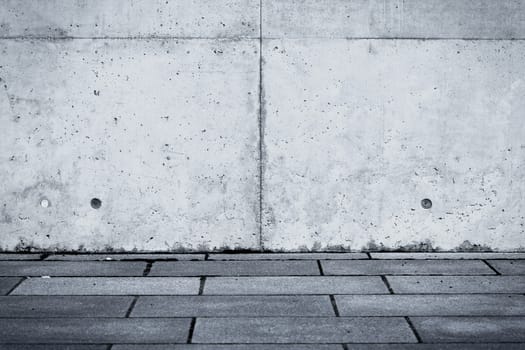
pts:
pixel 353 111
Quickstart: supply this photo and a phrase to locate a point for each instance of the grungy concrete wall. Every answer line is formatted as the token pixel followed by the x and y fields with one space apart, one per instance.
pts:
pixel 277 125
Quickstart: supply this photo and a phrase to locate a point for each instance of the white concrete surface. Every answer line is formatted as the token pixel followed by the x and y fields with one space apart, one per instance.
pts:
pixel 125 18
pixel 164 133
pixel 153 107
pixel 358 132
pixel 443 19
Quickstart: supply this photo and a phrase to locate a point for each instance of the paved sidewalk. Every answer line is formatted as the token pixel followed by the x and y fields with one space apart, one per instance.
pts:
pixel 323 301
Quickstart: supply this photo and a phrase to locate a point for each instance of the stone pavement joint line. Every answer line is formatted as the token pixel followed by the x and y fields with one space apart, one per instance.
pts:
pixel 294 301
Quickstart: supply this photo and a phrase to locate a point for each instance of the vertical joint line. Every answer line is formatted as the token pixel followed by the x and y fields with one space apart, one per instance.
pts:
pixel 148 268
pixel 334 306
pixel 131 306
pixel 192 328
pixel 411 325
pixel 369 255
pixel 320 267
pixel 491 267
pixel 201 286
pixel 261 133
pixel 385 281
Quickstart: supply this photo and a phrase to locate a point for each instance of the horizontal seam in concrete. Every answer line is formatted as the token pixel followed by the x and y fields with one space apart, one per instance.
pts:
pixel 390 38
pixel 67 38
pixel 238 38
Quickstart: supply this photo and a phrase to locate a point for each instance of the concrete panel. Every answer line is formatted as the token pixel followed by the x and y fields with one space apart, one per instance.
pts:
pixel 486 19
pixel 129 18
pixel 164 133
pixel 358 132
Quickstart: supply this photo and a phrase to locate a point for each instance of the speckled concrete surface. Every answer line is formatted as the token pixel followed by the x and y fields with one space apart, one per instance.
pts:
pixel 286 125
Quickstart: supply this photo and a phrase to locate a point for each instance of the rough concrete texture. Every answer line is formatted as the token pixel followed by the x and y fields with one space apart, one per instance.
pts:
pixel 164 133
pixel 168 112
pixel 129 18
pixel 437 19
pixel 358 132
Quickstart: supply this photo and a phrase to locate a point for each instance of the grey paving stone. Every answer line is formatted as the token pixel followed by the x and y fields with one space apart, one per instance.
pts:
pixel 7 283
pixel 229 347
pixel 73 268
pixel 214 306
pixel 454 256
pixel 406 267
pixel 94 330
pixel 234 268
pixel 431 305
pixel 108 257
pixel 448 346
pixel 509 267
pixel 108 286
pixel 289 256
pixel 294 285
pixel 51 347
pixel 4 256
pixel 303 330
pixel 64 306
pixel 470 329
pixel 456 284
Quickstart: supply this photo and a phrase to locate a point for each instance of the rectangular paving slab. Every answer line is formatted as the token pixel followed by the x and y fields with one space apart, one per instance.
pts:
pixel 234 268
pixel 7 283
pixel 229 347
pixel 294 285
pixel 64 306
pixel 406 267
pixel 4 256
pixel 289 256
pixel 106 257
pixel 447 346
pixel 94 330
pixel 302 330
pixel 470 329
pixel 431 305
pixel 456 284
pixel 73 268
pixel 109 286
pixel 454 256
pixel 51 347
pixel 509 267
pixel 213 306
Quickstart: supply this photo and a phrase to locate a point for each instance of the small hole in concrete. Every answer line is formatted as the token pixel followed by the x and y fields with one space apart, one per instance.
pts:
pixel 44 203
pixel 96 203
pixel 426 203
